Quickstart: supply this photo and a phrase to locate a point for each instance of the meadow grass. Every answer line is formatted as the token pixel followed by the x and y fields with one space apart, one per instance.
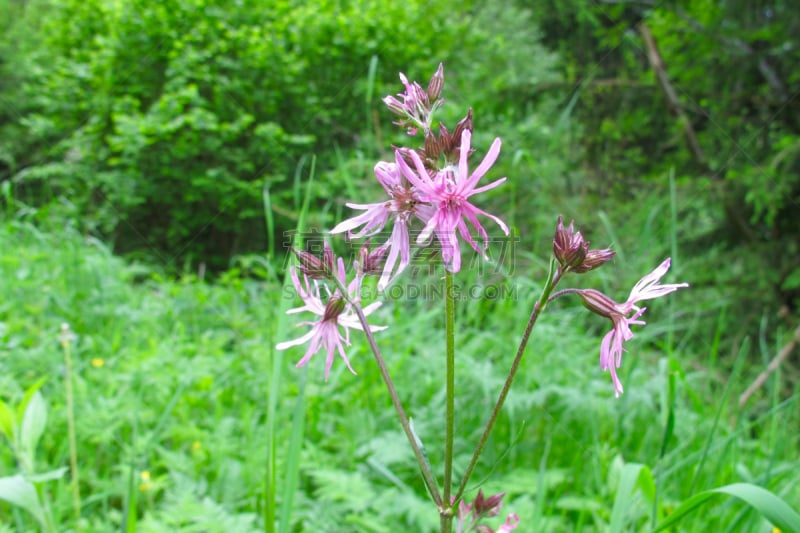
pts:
pixel 172 378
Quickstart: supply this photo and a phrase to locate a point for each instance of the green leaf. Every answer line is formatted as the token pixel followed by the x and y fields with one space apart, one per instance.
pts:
pixel 33 422
pixel 21 492
pixel 633 476
pixel 765 502
pixel 52 475
pixel 23 405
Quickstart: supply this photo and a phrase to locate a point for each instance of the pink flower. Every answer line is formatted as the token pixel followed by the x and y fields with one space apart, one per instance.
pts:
pixel 470 514
pixel 403 204
pixel 449 192
pixel 624 314
pixel 416 106
pixel 336 313
pixel 510 524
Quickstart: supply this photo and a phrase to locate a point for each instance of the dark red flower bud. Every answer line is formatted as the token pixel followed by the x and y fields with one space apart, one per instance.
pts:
pixel 488 506
pixel 597 302
pixel 451 151
pixel 569 247
pixel 314 267
pixel 594 259
pixel 371 261
pixel 432 146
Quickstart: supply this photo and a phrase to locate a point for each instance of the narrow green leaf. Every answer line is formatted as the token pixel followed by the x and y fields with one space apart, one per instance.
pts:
pixel 34 421
pixel 293 459
pixel 269 219
pixel 765 502
pixel 274 391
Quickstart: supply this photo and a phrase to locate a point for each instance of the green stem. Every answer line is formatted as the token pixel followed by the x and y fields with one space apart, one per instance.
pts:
pixel 446 514
pixel 553 277
pixel 73 449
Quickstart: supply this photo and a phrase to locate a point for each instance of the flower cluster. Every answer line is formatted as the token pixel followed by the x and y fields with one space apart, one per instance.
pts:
pixel 335 309
pixel 415 107
pixel 433 185
pixel 471 514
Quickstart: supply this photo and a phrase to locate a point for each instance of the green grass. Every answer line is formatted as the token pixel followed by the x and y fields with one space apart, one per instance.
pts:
pixel 187 370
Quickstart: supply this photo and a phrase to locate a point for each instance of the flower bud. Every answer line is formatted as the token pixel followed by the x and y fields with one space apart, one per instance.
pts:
pixel 371 262
pixel 569 247
pixel 432 146
pixel 594 259
pixel 455 138
pixel 314 267
pixel 436 85
pixel 334 308
pixel 445 139
pixel 488 506
pixel 597 302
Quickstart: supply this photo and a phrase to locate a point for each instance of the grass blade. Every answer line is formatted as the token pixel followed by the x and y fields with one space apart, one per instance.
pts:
pixel 765 502
pixel 274 393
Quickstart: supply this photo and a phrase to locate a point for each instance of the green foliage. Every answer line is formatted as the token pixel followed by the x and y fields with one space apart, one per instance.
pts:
pixel 160 125
pixel 171 379
pixel 23 427
pixel 729 133
pixel 168 129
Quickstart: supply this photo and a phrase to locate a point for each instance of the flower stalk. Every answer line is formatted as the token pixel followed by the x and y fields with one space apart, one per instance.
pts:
pixel 553 276
pixel 450 378
pixel 66 337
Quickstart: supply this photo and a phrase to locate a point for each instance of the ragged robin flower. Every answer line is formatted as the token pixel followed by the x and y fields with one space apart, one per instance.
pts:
pixel 623 315
pixel 403 205
pixel 449 191
pixel 334 312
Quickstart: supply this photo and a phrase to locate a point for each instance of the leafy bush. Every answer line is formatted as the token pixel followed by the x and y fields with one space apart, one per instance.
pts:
pixel 161 124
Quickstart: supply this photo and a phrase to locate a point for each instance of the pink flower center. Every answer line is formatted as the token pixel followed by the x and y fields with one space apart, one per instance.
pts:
pixel 452 202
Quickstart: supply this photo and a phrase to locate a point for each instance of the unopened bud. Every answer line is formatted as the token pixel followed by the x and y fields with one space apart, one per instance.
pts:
pixel 432 148
pixel 597 302
pixel 569 247
pixel 334 308
pixel 455 139
pixel 594 259
pixel 488 506
pixel 314 267
pixel 436 85
pixel 371 261
pixel 445 139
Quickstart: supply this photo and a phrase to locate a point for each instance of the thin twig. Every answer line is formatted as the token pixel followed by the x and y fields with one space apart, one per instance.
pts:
pixel 772 367
pixel 671 95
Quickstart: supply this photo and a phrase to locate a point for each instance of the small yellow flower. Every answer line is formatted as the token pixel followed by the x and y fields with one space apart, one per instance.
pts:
pixel 196 446
pixel 97 362
pixel 145 485
pixel 776 530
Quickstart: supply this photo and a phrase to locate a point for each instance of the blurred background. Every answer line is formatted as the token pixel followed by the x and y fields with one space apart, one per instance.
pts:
pixel 154 157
